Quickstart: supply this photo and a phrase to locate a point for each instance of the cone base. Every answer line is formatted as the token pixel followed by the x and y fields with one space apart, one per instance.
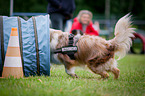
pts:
pixel 17 72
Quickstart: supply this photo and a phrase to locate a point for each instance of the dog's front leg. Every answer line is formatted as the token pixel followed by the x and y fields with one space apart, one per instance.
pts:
pixel 69 64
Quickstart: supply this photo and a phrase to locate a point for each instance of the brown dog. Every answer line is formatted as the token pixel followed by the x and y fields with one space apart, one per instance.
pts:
pixel 95 52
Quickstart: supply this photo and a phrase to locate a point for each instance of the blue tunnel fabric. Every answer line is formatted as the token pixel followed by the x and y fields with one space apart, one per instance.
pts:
pixel 29 52
pixel 7 29
pixel 1 44
pixel 28 41
pixel 43 41
pixel 8 23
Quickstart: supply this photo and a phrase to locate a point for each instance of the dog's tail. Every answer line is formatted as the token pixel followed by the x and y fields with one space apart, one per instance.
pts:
pixel 123 33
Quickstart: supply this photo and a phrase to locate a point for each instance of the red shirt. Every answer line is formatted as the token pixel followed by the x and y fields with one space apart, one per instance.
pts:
pixel 89 29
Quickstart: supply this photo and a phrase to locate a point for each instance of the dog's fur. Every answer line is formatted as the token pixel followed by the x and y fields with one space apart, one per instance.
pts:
pixel 95 52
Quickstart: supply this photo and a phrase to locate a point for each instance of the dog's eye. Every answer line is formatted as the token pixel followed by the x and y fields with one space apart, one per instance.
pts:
pixel 74 32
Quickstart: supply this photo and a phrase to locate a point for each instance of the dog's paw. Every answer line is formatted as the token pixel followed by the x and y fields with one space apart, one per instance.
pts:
pixel 74 75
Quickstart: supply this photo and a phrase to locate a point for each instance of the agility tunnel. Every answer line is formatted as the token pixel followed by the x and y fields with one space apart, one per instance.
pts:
pixel 138 46
pixel 33 40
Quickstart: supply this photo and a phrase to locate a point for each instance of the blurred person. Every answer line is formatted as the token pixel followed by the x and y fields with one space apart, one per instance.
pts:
pixel 96 26
pixel 60 11
pixel 83 22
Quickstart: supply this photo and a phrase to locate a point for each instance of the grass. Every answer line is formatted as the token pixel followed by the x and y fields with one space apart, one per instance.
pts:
pixel 130 83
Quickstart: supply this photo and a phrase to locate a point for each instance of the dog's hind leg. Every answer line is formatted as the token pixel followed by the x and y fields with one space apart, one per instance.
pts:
pixel 113 68
pixel 69 64
pixel 116 72
pixel 96 70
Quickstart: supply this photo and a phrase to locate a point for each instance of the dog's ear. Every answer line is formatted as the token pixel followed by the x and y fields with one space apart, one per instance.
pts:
pixel 74 32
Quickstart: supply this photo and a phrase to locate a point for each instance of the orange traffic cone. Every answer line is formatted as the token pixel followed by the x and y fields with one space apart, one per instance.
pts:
pixel 13 62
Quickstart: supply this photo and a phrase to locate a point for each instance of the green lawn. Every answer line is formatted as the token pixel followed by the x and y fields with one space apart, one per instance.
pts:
pixel 130 83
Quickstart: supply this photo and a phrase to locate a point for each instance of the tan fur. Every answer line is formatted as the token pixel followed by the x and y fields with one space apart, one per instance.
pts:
pixel 90 47
pixel 96 52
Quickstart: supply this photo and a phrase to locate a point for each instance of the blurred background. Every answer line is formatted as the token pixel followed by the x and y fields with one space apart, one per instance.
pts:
pixel 101 9
pixel 106 12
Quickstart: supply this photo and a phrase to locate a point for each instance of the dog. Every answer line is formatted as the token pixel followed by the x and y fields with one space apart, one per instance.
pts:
pixel 94 51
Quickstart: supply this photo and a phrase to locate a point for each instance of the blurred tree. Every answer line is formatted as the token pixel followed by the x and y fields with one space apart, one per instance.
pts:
pixel 4 7
pixel 107 9
pixel 117 7
pixel 30 5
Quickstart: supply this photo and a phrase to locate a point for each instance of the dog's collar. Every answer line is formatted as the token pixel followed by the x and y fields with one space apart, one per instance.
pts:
pixel 70 50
